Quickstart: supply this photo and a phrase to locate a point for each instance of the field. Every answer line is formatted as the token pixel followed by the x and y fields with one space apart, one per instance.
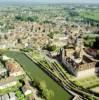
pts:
pixel 36 73
pixel 88 82
pixel 93 15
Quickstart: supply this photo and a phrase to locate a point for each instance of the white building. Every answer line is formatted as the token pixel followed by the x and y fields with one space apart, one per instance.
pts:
pixel 5 58
pixel 27 89
pixel 8 82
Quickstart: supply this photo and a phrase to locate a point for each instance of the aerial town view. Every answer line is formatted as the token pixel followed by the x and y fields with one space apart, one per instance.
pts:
pixel 49 50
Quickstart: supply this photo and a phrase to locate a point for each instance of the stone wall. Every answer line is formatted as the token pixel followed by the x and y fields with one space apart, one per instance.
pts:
pixel 86 66
pixel 86 73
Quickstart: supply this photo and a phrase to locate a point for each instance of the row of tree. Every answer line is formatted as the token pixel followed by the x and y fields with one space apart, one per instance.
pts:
pixel 26 18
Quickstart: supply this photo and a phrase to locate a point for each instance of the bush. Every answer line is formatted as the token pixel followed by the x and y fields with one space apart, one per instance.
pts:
pixel 26 49
pixel 20 95
pixel 66 46
pixel 50 47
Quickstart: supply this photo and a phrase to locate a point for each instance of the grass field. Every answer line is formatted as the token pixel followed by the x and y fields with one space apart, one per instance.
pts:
pixel 36 73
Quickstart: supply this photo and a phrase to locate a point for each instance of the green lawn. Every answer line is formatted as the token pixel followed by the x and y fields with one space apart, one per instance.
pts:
pixel 36 73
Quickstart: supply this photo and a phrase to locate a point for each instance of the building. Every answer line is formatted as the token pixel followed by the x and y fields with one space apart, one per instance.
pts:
pixel 80 66
pixel 5 97
pixel 7 44
pixel 12 96
pixel 8 82
pixel 91 52
pixel 5 58
pixel 60 40
pixel 3 71
pixel 14 68
pixel 9 96
pixel 27 89
pixel 76 60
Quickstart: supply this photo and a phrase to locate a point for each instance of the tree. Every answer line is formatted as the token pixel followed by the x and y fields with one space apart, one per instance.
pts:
pixel 19 40
pixel 66 46
pixel 44 92
pixel 18 17
pixel 20 95
pixel 51 35
pixel 42 85
pixel 47 94
pixel 26 18
pixel 50 47
pixel 5 37
pixel 89 41
pixel 73 13
pixel 97 54
pixel 96 43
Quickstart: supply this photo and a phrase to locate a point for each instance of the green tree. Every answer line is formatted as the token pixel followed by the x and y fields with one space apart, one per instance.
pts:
pixel 51 35
pixel 51 47
pixel 47 94
pixel 42 85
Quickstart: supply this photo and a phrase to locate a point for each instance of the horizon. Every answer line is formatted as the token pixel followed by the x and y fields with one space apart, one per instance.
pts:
pixel 51 1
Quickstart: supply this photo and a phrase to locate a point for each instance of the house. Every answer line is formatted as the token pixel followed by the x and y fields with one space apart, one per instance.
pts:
pixel 7 44
pixel 60 37
pixel 12 96
pixel 14 68
pixel 9 96
pixel 5 58
pixel 59 40
pixel 92 52
pixel 31 97
pixel 8 82
pixel 2 45
pixel 3 72
pixel 27 89
pixel 5 97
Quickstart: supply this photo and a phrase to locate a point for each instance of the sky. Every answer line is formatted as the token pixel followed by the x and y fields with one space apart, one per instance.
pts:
pixel 53 1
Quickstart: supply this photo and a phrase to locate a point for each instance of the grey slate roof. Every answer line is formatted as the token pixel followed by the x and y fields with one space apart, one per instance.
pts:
pixel 5 97
pixel 9 96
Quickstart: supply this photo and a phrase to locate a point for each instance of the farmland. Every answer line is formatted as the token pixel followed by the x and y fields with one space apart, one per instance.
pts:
pixel 90 15
pixel 36 73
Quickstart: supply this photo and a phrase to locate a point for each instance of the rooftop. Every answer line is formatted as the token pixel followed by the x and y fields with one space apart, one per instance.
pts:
pixel 13 66
pixel 2 70
pixel 7 80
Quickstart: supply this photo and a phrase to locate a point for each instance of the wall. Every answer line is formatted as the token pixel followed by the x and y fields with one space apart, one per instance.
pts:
pixel 85 73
